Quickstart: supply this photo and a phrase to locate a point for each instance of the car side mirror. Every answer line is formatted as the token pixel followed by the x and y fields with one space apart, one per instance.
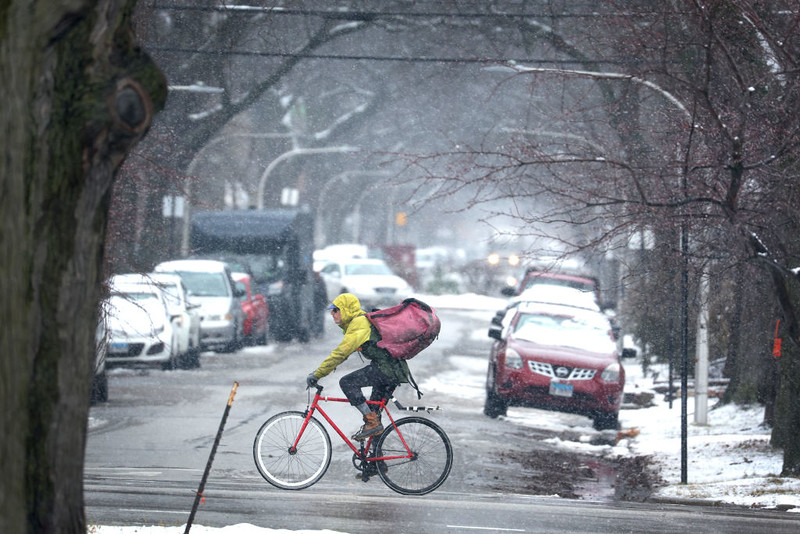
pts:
pixel 239 293
pixel 497 320
pixel 495 333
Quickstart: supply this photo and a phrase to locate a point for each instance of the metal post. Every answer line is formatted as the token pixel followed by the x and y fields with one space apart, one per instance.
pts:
pixel 199 495
pixel 684 349
pixel 701 366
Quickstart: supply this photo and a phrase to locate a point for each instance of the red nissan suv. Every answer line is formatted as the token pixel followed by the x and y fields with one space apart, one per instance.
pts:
pixel 558 358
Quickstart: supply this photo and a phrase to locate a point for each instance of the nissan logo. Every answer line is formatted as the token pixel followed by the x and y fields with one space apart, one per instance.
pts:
pixel 562 372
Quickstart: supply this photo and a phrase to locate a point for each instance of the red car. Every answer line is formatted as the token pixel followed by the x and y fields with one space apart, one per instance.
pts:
pixel 535 277
pixel 558 358
pixel 256 311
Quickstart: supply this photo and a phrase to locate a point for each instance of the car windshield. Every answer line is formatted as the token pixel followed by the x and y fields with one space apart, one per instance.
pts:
pixel 242 287
pixel 564 331
pixel 144 298
pixel 205 284
pixel 367 269
pixel 172 297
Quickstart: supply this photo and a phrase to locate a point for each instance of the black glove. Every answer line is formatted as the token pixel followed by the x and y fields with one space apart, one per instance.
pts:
pixel 311 381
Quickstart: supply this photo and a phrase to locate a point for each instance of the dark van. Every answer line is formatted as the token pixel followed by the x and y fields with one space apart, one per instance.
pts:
pixel 275 247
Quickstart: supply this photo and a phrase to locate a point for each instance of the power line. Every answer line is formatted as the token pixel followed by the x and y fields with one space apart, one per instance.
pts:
pixel 401 59
pixel 371 15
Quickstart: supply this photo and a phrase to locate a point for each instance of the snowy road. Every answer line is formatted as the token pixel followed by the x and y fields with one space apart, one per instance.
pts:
pixel 148 447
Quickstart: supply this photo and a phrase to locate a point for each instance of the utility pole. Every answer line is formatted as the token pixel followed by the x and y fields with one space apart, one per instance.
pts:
pixel 701 366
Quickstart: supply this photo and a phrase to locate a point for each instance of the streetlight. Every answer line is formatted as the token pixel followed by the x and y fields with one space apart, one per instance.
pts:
pixel 672 99
pixel 323 194
pixel 290 154
pixel 190 171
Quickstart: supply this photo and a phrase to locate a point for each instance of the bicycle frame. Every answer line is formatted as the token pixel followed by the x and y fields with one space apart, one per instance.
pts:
pixel 315 407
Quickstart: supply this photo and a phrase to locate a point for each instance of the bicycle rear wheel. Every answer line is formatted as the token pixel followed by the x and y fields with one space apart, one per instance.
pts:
pixel 431 456
pixel 287 469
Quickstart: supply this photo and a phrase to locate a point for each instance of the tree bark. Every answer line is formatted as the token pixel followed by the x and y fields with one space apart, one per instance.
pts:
pixel 77 95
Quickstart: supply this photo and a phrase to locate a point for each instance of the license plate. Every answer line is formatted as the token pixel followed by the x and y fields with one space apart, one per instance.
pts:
pixel 560 389
pixel 118 347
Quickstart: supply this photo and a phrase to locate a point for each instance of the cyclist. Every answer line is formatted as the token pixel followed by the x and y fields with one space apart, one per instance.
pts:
pixel 383 374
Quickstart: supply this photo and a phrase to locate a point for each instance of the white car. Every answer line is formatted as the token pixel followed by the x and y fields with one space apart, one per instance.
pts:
pixel 371 280
pixel 185 316
pixel 210 285
pixel 138 328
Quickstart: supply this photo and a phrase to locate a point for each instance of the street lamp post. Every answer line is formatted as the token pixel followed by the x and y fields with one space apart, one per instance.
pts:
pixel 190 171
pixel 262 183
pixel 674 101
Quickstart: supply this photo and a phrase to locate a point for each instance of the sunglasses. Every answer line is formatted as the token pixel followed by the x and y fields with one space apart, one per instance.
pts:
pixel 334 310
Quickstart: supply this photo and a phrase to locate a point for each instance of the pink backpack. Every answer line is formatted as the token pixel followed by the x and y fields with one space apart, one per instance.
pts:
pixel 406 329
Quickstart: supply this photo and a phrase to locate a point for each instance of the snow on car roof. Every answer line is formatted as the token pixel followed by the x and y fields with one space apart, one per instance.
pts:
pixel 191 265
pixel 563 295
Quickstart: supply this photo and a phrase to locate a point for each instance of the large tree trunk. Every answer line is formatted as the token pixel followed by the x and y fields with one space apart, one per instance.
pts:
pixel 76 96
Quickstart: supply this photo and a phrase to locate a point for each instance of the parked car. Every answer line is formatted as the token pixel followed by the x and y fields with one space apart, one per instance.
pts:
pixel 371 280
pixel 184 315
pixel 555 357
pixel 533 277
pixel 255 309
pixel 210 285
pixel 138 328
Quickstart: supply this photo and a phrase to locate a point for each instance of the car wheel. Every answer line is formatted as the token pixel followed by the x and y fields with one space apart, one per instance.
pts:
pixel 99 391
pixel 495 406
pixel 236 343
pixel 174 361
pixel 191 359
pixel 606 421
pixel 262 339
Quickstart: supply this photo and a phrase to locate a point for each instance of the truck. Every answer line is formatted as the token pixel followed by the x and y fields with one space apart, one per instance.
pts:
pixel 275 247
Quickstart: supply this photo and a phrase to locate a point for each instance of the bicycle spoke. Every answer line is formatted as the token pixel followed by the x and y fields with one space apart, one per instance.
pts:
pixel 289 468
pixel 427 465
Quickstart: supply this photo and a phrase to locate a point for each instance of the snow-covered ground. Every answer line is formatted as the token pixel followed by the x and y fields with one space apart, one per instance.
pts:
pixel 729 459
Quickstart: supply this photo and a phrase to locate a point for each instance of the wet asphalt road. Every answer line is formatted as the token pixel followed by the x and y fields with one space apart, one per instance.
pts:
pixel 149 446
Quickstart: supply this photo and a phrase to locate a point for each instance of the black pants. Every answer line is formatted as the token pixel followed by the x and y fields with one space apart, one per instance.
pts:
pixel 351 384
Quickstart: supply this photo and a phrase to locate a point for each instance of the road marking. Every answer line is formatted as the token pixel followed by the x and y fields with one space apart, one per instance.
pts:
pixel 487 528
pixel 182 512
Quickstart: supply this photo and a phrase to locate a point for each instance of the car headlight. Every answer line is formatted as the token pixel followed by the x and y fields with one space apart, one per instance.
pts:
pixel 513 359
pixel 611 373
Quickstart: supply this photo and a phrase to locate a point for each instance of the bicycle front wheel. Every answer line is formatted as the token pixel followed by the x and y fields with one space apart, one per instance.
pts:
pixel 419 468
pixel 285 467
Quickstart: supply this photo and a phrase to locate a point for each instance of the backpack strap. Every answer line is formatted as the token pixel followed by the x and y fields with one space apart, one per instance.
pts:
pixel 413 384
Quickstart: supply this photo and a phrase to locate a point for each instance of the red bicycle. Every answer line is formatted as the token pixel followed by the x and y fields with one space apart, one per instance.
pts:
pixel 412 456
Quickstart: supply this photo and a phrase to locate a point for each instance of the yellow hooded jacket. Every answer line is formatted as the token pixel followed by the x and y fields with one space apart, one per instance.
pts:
pixel 357 331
